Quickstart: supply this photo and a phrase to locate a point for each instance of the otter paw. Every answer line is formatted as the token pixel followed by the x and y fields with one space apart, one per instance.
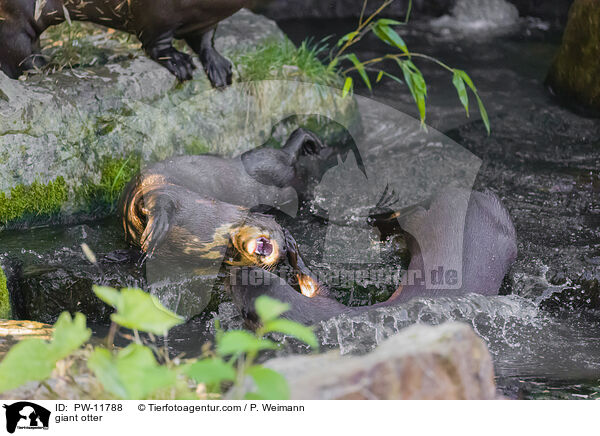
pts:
pixel 217 68
pixel 181 65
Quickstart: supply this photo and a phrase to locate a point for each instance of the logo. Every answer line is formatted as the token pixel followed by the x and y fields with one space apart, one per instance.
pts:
pixel 26 415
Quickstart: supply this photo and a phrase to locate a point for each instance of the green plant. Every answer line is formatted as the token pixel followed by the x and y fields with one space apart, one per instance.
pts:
pixel 143 370
pixel 77 44
pixel 277 59
pixel 383 29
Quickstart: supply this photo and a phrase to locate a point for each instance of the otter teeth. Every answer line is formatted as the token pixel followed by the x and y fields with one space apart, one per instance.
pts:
pixel 263 247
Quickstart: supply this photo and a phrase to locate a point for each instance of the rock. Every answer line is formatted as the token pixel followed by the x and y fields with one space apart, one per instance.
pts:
pixel 5 307
pixel 421 362
pixel 11 332
pixel 70 140
pixel 573 76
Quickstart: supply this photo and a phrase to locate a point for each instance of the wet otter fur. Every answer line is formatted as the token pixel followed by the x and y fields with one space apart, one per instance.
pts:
pixel 489 249
pixel 182 228
pixel 198 210
pixel 155 23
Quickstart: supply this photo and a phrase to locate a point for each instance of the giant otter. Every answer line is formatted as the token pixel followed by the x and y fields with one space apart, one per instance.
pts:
pixel 155 24
pixel 199 210
pixel 489 249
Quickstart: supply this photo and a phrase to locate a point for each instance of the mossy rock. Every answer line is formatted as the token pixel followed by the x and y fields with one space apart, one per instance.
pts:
pixel 71 138
pixel 575 72
pixel 5 309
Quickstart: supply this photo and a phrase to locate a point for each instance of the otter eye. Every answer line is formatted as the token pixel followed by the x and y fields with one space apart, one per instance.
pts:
pixel 260 246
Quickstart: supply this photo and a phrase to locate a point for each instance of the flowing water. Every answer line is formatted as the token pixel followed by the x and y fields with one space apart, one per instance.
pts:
pixel 542 160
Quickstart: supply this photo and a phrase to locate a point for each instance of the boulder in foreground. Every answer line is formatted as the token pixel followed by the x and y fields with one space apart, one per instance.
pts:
pixel 421 362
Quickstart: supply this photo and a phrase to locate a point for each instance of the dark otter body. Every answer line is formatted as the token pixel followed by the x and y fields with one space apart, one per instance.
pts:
pixel 182 228
pixel 200 210
pixel 155 23
pixel 489 249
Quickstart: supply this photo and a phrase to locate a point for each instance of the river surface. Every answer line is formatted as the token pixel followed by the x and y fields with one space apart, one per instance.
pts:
pixel 541 159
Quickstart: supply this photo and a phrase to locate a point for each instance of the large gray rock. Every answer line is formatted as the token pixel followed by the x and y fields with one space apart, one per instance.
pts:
pixel 421 362
pixel 70 139
pixel 573 76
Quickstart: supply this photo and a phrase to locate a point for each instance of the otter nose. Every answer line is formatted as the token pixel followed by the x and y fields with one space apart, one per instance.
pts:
pixel 263 247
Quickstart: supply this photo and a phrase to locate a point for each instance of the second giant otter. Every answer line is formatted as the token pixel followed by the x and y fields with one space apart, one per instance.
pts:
pixel 488 250
pixel 155 23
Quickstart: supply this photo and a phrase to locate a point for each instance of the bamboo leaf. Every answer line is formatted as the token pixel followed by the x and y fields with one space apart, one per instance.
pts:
pixel 389 36
pixel 361 69
pixel 347 37
pixel 348 86
pixel 484 115
pixel 459 84
pixel 482 110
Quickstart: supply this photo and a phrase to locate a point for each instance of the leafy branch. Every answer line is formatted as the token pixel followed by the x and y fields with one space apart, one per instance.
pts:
pixel 383 29
pixel 142 370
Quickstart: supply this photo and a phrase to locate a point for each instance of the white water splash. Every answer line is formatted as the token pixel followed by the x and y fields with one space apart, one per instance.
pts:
pixel 477 15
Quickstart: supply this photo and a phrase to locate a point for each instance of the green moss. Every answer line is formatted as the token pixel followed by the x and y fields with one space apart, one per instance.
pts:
pixel 5 310
pixel 115 174
pixel 575 71
pixel 33 200
pixel 39 200
pixel 197 146
pixel 276 59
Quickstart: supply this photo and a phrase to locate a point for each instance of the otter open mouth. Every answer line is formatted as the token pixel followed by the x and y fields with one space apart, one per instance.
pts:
pixel 260 246
pixel 263 249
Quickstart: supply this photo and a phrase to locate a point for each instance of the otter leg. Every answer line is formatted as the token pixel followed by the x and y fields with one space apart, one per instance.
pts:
pixel 159 209
pixel 160 48
pixel 15 49
pixel 218 68
pixel 35 60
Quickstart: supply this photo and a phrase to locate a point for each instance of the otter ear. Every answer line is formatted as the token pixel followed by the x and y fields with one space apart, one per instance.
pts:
pixel 302 142
pixel 159 208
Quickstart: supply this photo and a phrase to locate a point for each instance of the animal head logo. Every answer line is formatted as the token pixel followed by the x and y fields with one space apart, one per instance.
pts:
pixel 26 415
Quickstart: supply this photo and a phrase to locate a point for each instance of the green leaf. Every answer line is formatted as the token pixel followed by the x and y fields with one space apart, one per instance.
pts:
pixel 360 68
pixel 138 310
pixel 270 385
pixel 416 84
pixel 29 360
pixel 291 328
pixel 348 85
pixel 35 359
pixel 482 111
pixel 132 374
pixel 390 22
pixel 484 115
pixel 210 371
pixel 347 37
pixel 268 308
pixel 109 295
pixel 459 84
pixel 467 79
pixel 379 76
pixel 391 76
pixel 69 334
pixel 239 341
pixel 389 36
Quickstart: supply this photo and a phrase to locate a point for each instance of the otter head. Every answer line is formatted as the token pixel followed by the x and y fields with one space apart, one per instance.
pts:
pixel 259 241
